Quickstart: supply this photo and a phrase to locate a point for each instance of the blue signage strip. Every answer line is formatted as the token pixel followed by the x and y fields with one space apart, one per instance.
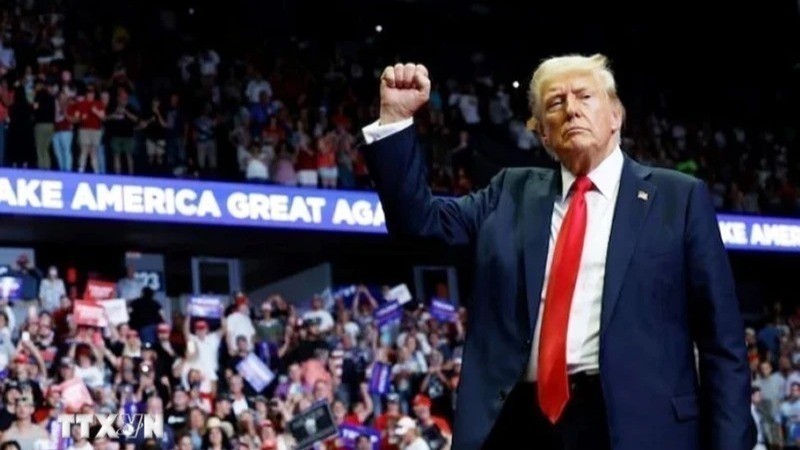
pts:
pixel 60 194
pixel 186 201
pixel 759 233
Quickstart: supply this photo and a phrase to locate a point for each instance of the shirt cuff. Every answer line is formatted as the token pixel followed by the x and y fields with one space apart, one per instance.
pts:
pixel 375 131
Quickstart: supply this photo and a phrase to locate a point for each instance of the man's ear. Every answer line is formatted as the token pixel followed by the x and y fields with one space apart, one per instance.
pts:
pixel 618 116
pixel 536 126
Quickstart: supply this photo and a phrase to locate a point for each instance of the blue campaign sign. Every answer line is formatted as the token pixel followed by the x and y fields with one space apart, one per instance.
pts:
pixel 187 201
pixel 59 194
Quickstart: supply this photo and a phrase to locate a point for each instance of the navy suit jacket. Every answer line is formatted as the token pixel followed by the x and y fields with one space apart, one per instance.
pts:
pixel 668 285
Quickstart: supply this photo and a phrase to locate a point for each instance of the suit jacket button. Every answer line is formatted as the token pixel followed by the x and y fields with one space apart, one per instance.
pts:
pixel 528 343
pixel 503 395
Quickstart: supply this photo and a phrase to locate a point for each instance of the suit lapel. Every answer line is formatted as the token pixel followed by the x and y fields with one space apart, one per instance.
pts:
pixel 538 198
pixel 633 203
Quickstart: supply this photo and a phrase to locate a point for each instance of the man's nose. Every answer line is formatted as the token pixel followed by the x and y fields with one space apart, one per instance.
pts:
pixel 572 105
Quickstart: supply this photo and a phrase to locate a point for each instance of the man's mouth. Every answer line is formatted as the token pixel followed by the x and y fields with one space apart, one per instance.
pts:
pixel 574 130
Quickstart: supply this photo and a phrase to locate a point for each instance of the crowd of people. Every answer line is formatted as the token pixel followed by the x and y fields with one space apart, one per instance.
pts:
pixel 774 355
pixel 280 119
pixel 389 380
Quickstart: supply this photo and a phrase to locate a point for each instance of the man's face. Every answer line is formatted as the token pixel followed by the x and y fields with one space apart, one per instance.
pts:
pixel 766 369
pixel 578 120
pixel 24 409
pixel 423 412
pixel 236 384
pixel 180 399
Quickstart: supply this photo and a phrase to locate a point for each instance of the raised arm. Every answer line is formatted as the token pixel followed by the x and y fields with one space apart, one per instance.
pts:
pixel 397 166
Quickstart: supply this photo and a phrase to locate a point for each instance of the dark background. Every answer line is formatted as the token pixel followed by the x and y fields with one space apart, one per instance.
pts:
pixel 719 62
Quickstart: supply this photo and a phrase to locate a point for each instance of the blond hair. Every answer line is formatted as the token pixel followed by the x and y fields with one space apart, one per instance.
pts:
pixel 550 68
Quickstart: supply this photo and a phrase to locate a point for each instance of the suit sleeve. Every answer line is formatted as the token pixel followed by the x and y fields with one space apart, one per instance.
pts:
pixel 718 331
pixel 398 168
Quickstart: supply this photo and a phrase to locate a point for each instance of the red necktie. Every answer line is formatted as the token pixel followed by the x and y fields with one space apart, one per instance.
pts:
pixel 552 383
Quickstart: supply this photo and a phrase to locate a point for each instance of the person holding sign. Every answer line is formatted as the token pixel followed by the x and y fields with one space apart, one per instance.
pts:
pixel 594 281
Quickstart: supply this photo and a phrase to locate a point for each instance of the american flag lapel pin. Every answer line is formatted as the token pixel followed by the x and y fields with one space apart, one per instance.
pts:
pixel 642 195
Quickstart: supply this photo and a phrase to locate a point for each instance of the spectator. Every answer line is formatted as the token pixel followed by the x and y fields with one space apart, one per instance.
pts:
pixel 91 112
pixel 765 422
pixel 21 144
pixel 121 120
pixel 409 435
pixel 130 287
pixel 155 138
pixel 205 139
pixel 790 417
pixel 51 290
pixel 28 434
pixel 44 111
pixel 66 116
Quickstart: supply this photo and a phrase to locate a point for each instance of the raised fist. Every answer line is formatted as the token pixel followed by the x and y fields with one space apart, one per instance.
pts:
pixel 404 89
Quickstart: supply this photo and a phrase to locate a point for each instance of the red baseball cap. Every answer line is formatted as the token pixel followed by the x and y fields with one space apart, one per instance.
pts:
pixel 422 400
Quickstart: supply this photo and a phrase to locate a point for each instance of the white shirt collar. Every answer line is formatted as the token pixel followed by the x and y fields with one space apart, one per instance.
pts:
pixel 605 177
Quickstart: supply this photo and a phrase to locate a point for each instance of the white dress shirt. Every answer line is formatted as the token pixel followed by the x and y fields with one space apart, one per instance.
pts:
pixel 583 332
pixel 375 131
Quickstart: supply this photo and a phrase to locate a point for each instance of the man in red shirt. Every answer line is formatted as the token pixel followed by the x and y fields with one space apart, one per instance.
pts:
pixel 435 430
pixel 386 422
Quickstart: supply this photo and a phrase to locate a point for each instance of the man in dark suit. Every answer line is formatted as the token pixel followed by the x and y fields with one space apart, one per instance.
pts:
pixel 594 283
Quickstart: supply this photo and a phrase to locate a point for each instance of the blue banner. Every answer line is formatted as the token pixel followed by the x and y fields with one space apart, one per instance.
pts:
pixel 350 434
pixel 187 201
pixel 59 194
pixel 387 313
pixel 380 379
pixel 759 233
pixel 443 311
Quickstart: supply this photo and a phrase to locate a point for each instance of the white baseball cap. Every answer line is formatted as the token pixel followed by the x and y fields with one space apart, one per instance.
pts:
pixel 404 425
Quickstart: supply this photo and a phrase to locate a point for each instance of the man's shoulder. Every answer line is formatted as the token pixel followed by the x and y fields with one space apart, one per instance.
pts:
pixel 515 178
pixel 663 175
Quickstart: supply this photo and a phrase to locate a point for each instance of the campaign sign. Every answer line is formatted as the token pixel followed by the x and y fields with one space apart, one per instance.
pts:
pixel 381 378
pixel 388 312
pixel 400 293
pixel 205 307
pixel 100 290
pixel 10 288
pixel 255 372
pixel 116 310
pixel 350 433
pixel 443 311
pixel 89 313
pixel 313 425
pixel 74 394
